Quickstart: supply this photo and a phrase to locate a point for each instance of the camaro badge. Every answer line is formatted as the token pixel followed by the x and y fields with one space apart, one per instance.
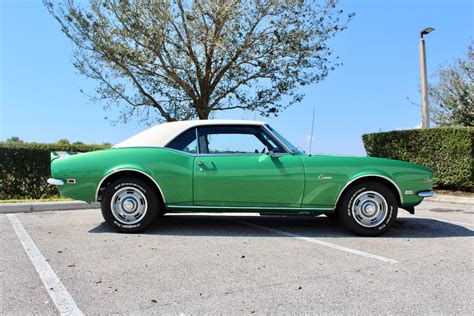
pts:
pixel 323 177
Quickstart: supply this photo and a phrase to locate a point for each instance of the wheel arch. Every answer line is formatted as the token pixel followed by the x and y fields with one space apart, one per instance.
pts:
pixel 375 177
pixel 116 174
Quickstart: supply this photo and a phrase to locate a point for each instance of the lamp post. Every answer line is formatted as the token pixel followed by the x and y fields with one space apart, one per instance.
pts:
pixel 425 112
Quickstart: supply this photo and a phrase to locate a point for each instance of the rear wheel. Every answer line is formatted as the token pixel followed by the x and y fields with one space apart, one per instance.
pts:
pixel 130 205
pixel 368 208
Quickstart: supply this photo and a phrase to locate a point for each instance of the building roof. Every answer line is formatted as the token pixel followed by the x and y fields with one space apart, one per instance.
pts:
pixel 161 134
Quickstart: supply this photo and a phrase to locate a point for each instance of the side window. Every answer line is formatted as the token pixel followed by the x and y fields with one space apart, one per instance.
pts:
pixel 185 142
pixel 235 140
pixel 234 144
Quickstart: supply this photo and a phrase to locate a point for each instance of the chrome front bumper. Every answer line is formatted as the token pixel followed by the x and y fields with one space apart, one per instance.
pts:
pixel 53 181
pixel 425 194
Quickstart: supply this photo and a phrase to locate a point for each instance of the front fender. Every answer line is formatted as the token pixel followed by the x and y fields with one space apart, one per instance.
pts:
pixel 371 173
pixel 327 177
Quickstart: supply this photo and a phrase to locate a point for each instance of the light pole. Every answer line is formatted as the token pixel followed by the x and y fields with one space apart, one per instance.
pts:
pixel 425 111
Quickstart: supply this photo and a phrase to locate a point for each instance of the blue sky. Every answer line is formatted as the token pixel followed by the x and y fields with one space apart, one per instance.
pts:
pixel 40 98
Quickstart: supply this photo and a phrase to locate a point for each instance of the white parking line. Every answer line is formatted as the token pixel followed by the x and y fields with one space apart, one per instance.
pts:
pixel 56 290
pixel 323 243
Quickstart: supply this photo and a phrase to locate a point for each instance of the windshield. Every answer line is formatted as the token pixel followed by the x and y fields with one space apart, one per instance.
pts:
pixel 292 147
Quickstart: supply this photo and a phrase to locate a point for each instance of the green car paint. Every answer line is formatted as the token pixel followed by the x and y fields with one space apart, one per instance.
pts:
pixel 171 170
pixel 327 176
pixel 239 182
pixel 248 180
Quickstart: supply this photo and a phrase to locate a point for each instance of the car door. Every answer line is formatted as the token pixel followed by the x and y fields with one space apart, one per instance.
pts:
pixel 234 168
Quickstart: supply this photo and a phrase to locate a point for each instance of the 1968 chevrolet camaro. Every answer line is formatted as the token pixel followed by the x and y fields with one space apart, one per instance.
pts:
pixel 236 166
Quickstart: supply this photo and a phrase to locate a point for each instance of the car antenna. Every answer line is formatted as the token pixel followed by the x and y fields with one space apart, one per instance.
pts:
pixel 312 129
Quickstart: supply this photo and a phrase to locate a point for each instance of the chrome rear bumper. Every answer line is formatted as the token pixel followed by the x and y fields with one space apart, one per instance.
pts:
pixel 53 181
pixel 425 194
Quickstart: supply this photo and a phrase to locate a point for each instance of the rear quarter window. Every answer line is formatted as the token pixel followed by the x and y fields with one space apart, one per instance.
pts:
pixel 186 142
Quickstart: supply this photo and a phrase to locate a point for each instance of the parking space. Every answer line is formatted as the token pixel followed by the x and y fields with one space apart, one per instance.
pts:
pixel 244 264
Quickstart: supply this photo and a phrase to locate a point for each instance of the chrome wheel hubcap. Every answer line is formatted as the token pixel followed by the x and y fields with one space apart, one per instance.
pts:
pixel 128 205
pixel 369 209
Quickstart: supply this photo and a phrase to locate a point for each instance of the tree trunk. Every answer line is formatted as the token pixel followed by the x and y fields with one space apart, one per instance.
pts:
pixel 204 116
pixel 202 107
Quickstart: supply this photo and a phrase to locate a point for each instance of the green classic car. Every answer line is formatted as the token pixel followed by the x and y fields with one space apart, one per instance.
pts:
pixel 236 166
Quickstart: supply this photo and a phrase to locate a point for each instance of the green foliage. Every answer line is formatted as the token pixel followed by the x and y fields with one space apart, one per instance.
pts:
pixel 26 167
pixel 449 151
pixel 14 139
pixel 63 141
pixel 452 96
pixel 180 59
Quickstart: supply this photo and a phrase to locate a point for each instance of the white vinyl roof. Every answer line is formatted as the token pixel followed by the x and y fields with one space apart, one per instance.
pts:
pixel 161 134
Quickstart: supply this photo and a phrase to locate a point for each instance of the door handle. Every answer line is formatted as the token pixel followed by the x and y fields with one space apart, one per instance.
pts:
pixel 199 163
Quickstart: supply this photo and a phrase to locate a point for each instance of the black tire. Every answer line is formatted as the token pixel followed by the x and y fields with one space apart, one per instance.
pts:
pixel 142 193
pixel 332 216
pixel 352 218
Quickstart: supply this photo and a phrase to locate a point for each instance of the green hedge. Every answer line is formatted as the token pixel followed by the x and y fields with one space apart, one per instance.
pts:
pixel 25 167
pixel 449 151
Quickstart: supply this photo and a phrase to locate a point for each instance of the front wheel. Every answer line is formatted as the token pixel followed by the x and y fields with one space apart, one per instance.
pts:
pixel 130 205
pixel 368 208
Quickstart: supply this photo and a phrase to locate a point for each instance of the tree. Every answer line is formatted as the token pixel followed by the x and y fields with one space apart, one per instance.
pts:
pixel 451 98
pixel 188 59
pixel 63 141
pixel 14 139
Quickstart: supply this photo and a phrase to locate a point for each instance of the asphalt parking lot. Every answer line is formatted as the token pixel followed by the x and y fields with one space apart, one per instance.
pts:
pixel 237 264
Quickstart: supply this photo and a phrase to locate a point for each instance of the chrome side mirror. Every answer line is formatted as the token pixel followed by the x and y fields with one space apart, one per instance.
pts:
pixel 272 153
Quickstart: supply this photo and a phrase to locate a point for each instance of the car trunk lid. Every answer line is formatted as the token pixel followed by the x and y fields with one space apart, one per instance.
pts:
pixel 59 154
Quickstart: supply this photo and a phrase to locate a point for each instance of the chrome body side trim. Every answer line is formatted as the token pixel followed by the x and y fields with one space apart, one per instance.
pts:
pixel 197 140
pixel 53 181
pixel 133 170
pixel 238 154
pixel 425 194
pixel 370 175
pixel 198 153
pixel 249 208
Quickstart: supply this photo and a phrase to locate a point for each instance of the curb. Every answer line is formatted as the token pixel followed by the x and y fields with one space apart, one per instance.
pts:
pixel 451 199
pixel 29 207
